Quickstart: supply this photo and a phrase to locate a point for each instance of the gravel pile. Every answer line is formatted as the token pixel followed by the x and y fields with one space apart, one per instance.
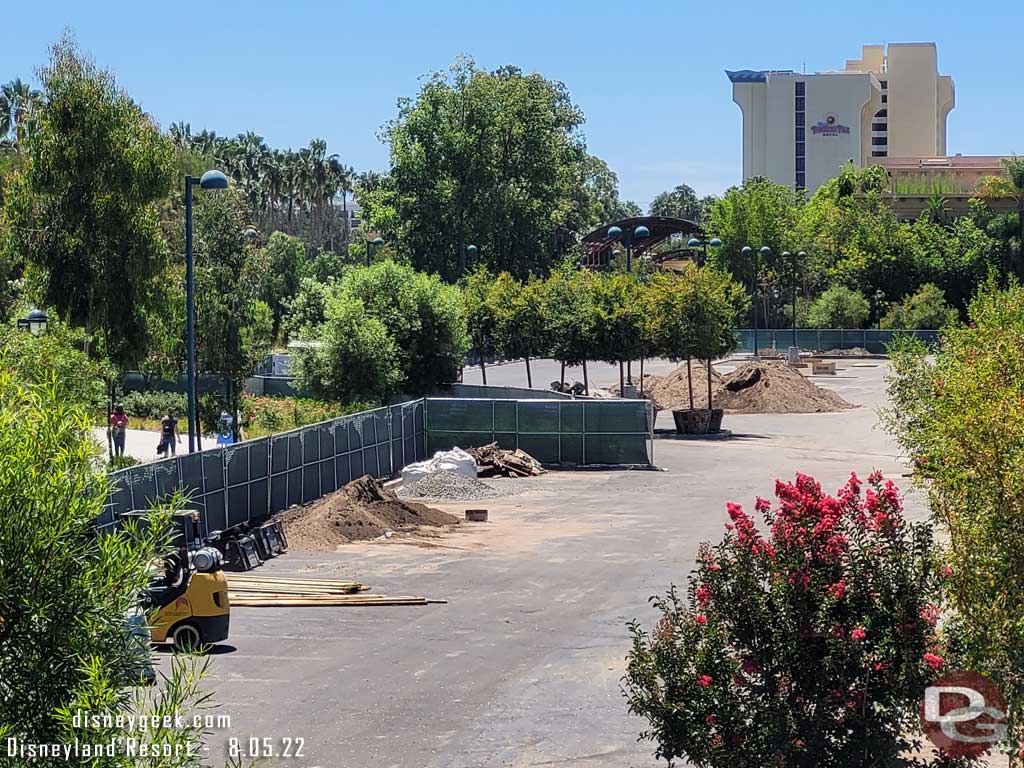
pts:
pixel 450 485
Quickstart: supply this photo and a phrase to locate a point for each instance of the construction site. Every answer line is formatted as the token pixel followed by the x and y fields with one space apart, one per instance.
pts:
pixel 471 608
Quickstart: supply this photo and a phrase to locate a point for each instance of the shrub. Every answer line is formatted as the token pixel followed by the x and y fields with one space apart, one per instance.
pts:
pixel 65 592
pixel 154 405
pixel 803 649
pixel 269 415
pixel 961 416
pixel 926 309
pixel 839 307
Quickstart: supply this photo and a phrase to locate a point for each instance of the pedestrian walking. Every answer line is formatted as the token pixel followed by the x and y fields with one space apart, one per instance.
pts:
pixel 169 436
pixel 118 428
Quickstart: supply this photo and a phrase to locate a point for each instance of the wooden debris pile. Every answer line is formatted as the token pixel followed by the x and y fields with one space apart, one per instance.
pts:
pixel 250 590
pixel 501 461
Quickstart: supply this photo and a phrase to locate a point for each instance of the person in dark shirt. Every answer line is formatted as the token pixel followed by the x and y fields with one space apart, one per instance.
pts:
pixel 169 436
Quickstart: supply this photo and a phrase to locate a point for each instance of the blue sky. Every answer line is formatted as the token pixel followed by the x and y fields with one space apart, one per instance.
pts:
pixel 648 74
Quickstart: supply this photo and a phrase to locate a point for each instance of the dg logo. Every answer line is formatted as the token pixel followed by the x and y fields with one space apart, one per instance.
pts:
pixel 963 714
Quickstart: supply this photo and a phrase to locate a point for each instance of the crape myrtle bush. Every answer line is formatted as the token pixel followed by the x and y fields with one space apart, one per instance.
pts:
pixel 809 647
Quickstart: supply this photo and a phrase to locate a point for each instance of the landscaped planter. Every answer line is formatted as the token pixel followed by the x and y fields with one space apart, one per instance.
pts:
pixel 695 422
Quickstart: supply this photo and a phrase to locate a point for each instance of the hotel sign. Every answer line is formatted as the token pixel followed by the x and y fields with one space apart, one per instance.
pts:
pixel 829 127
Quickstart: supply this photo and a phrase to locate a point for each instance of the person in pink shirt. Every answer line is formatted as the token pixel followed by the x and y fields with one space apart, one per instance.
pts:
pixel 118 425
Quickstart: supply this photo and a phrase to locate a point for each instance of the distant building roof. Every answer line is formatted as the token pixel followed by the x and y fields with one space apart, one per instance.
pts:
pixel 755 75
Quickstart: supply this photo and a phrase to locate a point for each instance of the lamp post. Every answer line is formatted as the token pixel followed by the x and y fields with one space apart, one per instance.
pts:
pixel 35 322
pixel 627 237
pixel 879 297
pixel 471 252
pixel 212 179
pixel 372 245
pixel 756 255
pixel 794 352
pixel 695 243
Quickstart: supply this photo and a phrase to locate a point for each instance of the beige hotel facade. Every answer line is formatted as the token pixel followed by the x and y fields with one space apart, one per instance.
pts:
pixel 798 129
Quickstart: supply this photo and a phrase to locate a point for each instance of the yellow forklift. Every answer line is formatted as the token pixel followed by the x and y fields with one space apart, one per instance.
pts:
pixel 187 599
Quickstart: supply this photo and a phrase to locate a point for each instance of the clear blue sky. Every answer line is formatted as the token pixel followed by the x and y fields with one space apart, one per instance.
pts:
pixel 648 74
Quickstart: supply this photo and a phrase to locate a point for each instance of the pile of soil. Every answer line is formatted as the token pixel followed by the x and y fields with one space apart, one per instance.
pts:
pixel 671 392
pixel 363 509
pixel 762 387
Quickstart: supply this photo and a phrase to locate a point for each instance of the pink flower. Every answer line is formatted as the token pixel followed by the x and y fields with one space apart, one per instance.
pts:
pixel 930 613
pixel 858 633
pixel 933 661
pixel 837 630
pixel 716 740
pixel 837 590
pixel 710 720
pixel 798 743
pixel 703 595
pixel 945 571
pixel 701 619
pixel 705 680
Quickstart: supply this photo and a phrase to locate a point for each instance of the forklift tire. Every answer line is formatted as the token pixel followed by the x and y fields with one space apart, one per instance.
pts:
pixel 187 638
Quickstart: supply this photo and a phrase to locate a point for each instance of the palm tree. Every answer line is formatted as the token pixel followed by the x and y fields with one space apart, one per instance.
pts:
pixel 935 210
pixel 18 100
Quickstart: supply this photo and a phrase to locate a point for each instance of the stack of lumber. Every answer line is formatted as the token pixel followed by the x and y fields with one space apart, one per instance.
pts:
pixel 500 461
pixel 252 590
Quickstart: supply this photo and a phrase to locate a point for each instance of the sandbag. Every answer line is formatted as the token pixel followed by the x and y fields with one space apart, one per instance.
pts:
pixel 456 460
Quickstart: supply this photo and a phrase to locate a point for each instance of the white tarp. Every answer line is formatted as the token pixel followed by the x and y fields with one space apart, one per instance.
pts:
pixel 455 460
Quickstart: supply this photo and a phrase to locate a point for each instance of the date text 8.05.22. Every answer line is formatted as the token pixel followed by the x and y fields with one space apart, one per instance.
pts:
pixel 257 747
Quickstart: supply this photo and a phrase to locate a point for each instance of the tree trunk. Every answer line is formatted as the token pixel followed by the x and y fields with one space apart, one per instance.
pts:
pixel 641 376
pixel 562 380
pixel 586 383
pixel 622 381
pixel 689 381
pixel 110 410
pixel 629 371
pixel 529 375
pixel 483 367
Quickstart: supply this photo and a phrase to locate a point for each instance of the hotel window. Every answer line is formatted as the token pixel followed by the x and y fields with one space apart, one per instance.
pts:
pixel 799 145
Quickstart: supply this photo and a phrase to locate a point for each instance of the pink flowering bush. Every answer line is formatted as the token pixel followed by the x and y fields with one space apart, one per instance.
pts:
pixel 807 642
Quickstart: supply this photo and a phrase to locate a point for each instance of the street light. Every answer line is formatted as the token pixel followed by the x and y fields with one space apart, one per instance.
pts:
pixel 627 237
pixel 212 179
pixel 879 297
pixel 471 252
pixel 370 246
pixel 749 253
pixel 695 243
pixel 798 259
pixel 35 322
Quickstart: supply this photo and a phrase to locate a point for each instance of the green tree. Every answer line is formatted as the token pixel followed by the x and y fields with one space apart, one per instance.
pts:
pixel 234 328
pixel 569 316
pixel 423 316
pixel 308 308
pixel 65 592
pixel 618 306
pixel 839 307
pixel 495 159
pixel 285 261
pixel 480 314
pixel 601 194
pixel 82 210
pixel 518 319
pixel 681 203
pixel 56 357
pixel 693 315
pixel 926 309
pixel 353 357
pixel 957 411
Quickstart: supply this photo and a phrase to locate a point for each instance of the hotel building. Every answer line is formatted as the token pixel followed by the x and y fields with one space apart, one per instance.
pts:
pixel 798 129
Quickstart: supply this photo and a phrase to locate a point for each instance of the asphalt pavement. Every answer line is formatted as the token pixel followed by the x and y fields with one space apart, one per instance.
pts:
pixel 522 666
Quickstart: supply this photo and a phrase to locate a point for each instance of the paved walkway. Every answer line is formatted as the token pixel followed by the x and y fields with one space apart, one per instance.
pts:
pixel 141 443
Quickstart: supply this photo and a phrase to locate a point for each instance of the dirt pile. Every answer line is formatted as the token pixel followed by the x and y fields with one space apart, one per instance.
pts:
pixel 671 392
pixel 774 388
pixel 362 510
